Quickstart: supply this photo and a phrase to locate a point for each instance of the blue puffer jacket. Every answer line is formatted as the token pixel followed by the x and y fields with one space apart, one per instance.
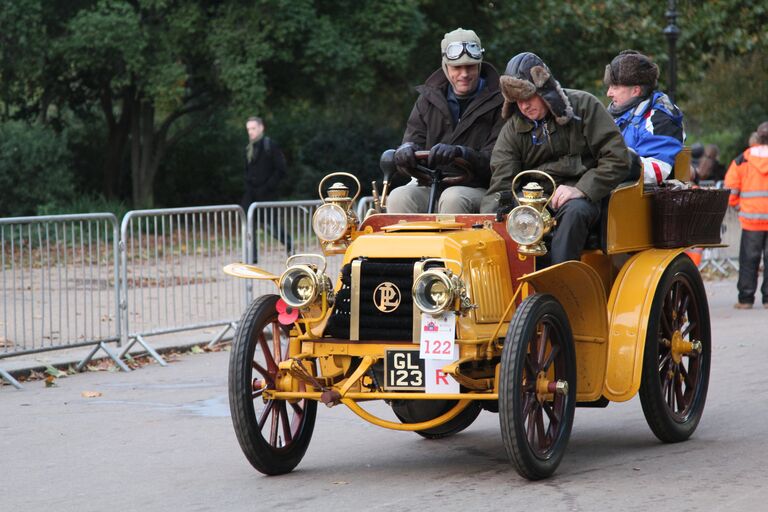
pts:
pixel 654 129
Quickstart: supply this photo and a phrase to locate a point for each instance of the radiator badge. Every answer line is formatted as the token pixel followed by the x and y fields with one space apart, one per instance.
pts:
pixel 386 297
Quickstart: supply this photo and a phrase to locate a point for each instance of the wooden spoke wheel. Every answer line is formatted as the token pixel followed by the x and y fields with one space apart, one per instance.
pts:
pixel 273 434
pixel 537 388
pixel 676 361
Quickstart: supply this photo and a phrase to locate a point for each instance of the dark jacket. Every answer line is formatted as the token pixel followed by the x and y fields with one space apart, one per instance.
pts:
pixel 264 173
pixel 431 122
pixel 587 152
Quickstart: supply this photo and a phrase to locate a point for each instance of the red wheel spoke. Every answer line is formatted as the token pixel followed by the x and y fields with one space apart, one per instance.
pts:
pixel 665 384
pixel 297 409
pixel 542 345
pixel 554 418
pixel 684 305
pixel 531 428
pixel 669 385
pixel 540 427
pixel 551 357
pixel 263 371
pixel 265 414
pixel 679 392
pixel 664 362
pixel 686 377
pixel 277 350
pixel 257 393
pixel 274 427
pixel 688 328
pixel 271 364
pixel 286 425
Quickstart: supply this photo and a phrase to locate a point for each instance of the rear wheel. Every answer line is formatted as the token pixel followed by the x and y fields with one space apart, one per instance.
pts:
pixel 537 387
pixel 273 434
pixel 677 354
pixel 416 411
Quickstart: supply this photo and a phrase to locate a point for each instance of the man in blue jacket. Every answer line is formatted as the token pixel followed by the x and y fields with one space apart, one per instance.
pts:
pixel 651 124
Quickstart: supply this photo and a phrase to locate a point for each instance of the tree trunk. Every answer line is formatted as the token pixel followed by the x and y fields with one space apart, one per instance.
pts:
pixel 143 165
pixel 117 140
pixel 149 146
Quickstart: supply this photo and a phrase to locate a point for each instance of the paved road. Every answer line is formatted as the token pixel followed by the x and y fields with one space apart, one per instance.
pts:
pixel 160 439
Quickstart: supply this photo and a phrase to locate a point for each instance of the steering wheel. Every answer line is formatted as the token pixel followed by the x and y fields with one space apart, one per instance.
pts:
pixel 424 174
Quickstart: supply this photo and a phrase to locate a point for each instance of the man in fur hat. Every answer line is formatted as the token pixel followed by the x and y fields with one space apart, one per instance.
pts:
pixel 650 123
pixel 456 116
pixel 566 133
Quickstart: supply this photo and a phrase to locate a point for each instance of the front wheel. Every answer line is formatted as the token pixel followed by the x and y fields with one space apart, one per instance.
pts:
pixel 273 434
pixel 537 387
pixel 677 354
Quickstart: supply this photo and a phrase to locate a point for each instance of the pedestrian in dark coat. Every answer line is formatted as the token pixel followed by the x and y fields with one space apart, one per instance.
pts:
pixel 264 171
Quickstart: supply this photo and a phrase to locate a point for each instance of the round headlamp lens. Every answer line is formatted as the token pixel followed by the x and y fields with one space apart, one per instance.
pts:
pixel 298 286
pixel 433 292
pixel 329 222
pixel 525 225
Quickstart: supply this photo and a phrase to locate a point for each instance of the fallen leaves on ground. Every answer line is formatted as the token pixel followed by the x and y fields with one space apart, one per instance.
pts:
pixel 90 394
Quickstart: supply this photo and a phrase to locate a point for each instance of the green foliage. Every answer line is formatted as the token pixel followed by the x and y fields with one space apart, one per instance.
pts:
pixel 86 203
pixel 333 80
pixel 205 167
pixel 730 102
pixel 319 143
pixel 35 169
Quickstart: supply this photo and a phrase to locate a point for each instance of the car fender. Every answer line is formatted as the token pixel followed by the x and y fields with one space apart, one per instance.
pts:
pixel 580 291
pixel 629 309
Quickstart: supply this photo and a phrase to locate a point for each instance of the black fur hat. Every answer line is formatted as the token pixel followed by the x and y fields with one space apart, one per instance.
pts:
pixel 631 67
pixel 526 75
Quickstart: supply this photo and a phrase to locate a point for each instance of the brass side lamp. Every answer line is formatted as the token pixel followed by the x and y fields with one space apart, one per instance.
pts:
pixel 528 223
pixel 334 221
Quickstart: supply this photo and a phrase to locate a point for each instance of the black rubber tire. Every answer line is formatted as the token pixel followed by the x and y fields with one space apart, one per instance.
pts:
pixel 536 451
pixel 273 454
pixel 673 393
pixel 416 411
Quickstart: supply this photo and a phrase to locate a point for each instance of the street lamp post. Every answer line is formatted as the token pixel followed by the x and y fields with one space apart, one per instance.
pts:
pixel 672 32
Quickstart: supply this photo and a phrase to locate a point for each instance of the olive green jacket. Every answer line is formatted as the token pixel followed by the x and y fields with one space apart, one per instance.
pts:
pixel 587 152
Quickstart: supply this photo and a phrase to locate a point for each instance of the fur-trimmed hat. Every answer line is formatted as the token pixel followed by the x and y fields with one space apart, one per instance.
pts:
pixel 526 75
pixel 631 67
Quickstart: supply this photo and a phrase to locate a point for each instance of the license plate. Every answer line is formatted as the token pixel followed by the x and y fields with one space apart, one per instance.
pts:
pixel 403 370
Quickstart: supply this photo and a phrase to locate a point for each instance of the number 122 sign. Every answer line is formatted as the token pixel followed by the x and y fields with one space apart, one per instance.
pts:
pixel 438 336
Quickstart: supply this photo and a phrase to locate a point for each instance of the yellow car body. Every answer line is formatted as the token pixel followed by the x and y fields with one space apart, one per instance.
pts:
pixel 338 354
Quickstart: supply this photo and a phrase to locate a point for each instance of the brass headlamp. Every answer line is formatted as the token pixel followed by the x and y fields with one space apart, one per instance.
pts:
pixel 438 290
pixel 334 221
pixel 302 285
pixel 528 223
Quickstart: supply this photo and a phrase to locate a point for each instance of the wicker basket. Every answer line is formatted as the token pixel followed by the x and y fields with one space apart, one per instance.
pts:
pixel 688 217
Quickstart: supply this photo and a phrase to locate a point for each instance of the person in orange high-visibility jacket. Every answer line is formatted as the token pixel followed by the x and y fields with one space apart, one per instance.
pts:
pixel 747 177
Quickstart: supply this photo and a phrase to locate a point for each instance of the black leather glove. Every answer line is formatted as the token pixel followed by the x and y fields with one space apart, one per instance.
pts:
pixel 442 154
pixel 405 156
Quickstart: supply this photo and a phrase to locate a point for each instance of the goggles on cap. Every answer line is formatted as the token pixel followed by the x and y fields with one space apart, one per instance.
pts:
pixel 455 50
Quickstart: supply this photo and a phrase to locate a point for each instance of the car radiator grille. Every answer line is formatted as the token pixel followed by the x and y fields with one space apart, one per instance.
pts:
pixel 373 323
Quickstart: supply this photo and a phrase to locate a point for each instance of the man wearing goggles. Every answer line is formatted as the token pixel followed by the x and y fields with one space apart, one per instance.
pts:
pixel 456 116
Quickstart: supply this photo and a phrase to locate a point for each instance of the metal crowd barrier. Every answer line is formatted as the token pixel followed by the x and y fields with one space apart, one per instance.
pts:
pixel 277 229
pixel 66 281
pixel 171 272
pixel 724 260
pixel 59 285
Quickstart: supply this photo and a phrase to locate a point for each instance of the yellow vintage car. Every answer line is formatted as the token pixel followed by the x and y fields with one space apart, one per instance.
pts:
pixel 442 316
